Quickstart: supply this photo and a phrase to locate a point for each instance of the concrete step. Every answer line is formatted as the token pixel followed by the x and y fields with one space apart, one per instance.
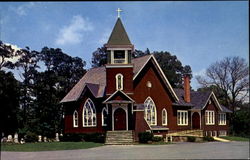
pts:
pixel 119 137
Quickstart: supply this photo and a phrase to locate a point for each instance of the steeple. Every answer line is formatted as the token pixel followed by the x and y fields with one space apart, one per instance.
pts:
pixel 119 70
pixel 119 47
pixel 119 35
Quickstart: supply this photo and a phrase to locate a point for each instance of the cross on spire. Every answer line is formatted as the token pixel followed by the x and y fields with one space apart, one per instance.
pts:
pixel 118 11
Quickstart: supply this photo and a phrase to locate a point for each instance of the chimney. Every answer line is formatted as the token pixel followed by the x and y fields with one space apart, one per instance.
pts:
pixel 187 97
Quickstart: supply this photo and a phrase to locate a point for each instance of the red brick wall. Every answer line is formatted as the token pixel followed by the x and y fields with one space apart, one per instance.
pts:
pixel 159 94
pixel 127 79
pixel 70 108
pixel 216 126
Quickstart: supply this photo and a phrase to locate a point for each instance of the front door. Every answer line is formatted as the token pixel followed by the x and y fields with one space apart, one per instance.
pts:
pixel 120 119
pixel 196 120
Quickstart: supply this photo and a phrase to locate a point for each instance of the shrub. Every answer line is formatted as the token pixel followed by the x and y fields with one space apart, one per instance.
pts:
pixel 95 137
pixel 157 139
pixel 30 137
pixel 88 137
pixel 208 138
pixel 144 137
pixel 191 139
pixel 72 137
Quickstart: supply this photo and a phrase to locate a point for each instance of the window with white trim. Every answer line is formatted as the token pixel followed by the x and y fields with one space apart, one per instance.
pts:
pixel 209 117
pixel 75 119
pixel 222 119
pixel 89 114
pixel 222 133
pixel 164 117
pixel 104 116
pixel 119 81
pixel 150 111
pixel 182 117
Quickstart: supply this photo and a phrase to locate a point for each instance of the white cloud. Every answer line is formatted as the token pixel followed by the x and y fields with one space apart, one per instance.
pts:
pixel 200 72
pixel 194 82
pixel 22 9
pixel 15 58
pixel 74 32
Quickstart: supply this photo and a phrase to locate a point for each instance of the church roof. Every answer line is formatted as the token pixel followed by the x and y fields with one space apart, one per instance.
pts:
pixel 97 76
pixel 198 99
pixel 119 35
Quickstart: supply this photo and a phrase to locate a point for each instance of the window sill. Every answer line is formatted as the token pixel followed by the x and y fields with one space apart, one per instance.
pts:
pixel 88 126
pixel 182 124
pixel 210 124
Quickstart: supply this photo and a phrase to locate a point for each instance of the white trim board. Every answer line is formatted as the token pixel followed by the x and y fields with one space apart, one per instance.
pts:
pixel 115 93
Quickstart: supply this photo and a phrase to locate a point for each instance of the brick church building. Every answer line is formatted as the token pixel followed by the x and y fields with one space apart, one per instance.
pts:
pixel 132 95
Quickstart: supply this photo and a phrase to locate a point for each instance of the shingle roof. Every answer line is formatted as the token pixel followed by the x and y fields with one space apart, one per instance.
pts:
pixel 93 76
pixel 95 80
pixel 180 95
pixel 198 99
pixel 225 109
pixel 119 35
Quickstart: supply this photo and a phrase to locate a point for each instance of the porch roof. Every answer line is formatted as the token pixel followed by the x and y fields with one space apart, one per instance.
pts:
pixel 118 102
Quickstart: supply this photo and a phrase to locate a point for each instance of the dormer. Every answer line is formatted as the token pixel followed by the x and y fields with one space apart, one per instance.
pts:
pixel 119 47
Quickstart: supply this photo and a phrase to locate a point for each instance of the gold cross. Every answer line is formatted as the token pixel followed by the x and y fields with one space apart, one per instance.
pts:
pixel 118 11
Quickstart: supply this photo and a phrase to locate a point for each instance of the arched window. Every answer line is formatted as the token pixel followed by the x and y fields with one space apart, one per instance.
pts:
pixel 164 117
pixel 150 111
pixel 89 114
pixel 119 81
pixel 75 119
pixel 104 116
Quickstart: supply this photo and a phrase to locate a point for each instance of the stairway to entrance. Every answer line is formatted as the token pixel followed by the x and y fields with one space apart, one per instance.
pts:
pixel 119 137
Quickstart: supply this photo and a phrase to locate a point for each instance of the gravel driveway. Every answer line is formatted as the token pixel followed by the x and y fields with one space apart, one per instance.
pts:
pixel 186 150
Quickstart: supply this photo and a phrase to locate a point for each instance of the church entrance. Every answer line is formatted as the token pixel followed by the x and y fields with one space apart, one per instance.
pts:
pixel 196 120
pixel 119 119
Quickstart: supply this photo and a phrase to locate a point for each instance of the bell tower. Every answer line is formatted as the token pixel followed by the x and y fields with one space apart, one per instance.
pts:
pixel 119 70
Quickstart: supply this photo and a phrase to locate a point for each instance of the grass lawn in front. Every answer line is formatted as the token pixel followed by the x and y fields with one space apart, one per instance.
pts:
pixel 234 138
pixel 49 146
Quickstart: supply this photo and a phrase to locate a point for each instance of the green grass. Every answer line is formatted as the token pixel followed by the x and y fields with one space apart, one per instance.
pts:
pixel 234 138
pixel 32 147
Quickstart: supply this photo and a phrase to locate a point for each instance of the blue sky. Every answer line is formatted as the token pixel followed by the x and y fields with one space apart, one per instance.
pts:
pixel 198 33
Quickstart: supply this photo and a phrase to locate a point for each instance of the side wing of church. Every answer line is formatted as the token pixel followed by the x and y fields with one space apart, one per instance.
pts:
pixel 133 95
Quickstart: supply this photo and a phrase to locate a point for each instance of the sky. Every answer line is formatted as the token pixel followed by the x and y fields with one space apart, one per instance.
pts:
pixel 199 33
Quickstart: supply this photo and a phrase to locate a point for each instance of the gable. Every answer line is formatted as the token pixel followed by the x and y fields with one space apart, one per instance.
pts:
pixel 119 96
pixel 213 98
pixel 98 76
pixel 158 71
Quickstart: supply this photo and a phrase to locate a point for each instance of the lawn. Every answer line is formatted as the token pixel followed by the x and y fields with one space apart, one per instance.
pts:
pixel 234 138
pixel 32 147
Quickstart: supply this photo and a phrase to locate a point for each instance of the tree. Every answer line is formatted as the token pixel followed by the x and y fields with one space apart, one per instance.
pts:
pixel 99 57
pixel 9 98
pixel 231 75
pixel 170 65
pixel 28 64
pixel 219 93
pixel 61 72
pixel 6 52
pixel 172 68
pixel 241 121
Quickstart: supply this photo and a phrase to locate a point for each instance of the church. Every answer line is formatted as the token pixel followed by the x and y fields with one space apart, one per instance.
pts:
pixel 132 95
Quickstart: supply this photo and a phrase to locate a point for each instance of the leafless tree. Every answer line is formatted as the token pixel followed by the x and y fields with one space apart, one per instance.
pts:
pixel 231 75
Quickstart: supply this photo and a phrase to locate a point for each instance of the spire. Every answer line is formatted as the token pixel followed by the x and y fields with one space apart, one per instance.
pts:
pixel 119 35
